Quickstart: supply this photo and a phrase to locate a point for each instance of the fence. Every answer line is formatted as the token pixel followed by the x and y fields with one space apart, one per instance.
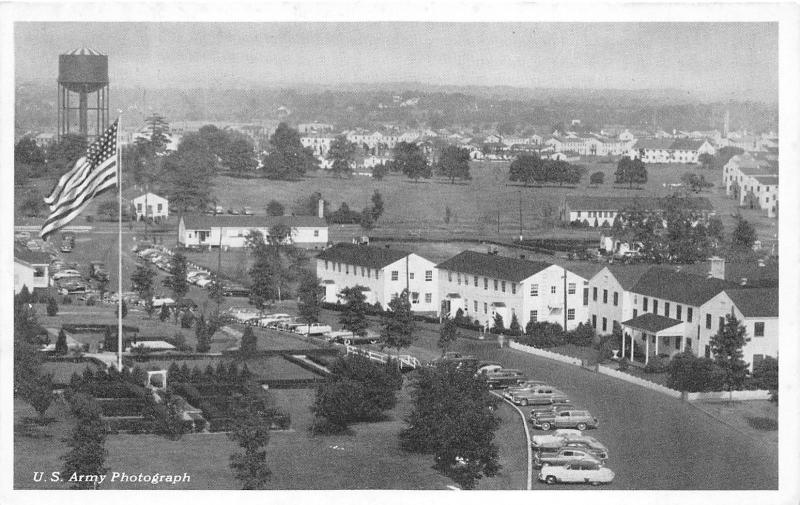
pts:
pixel 638 381
pixel 758 394
pixel 545 354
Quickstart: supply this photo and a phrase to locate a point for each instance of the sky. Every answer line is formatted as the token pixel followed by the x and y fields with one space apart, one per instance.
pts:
pixel 718 60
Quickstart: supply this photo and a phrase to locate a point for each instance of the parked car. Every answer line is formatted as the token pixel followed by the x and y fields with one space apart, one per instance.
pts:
pixel 524 385
pixel 67 242
pixel 592 446
pixel 542 395
pixel 271 319
pixel 584 472
pixel 165 300
pixel 63 274
pixel 313 329
pixel 570 418
pixel 234 290
pixel 186 303
pixel 204 281
pixel 552 408
pixel 561 457
pixel 503 378
pixel 233 211
pixel 247 211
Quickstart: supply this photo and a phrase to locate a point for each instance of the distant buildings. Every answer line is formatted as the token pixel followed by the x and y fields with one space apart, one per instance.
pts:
pixel 31 269
pixel 668 150
pixel 148 205
pixel 202 230
pixel 753 182
pixel 601 211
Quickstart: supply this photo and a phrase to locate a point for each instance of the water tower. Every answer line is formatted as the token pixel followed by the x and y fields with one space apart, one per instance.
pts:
pixel 82 93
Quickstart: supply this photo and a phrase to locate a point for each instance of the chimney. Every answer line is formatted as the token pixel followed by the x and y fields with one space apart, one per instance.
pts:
pixel 716 267
pixel 321 208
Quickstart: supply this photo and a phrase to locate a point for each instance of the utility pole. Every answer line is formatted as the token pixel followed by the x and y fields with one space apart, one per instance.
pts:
pixel 520 217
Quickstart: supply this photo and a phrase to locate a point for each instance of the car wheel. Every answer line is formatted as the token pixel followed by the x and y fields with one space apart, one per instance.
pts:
pixel 524 402
pixel 581 426
pixel 551 479
pixel 546 426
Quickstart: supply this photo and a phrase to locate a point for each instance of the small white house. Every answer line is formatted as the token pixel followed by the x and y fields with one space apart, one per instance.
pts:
pixel 150 206
pixel 308 232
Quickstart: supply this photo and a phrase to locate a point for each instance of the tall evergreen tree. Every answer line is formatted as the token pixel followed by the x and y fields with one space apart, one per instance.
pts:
pixel 448 334
pixel 61 342
pixel 398 323
pixel 251 432
pixel 287 158
pixel 177 281
pixel 354 316
pixel 311 296
pixel 726 348
pixel 87 452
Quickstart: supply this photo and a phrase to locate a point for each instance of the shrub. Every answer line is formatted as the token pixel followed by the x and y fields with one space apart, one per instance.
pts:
pixel 657 364
pixel 52 306
pixel 606 347
pixel 542 334
pixel 624 364
pixel 67 300
pixel 582 336
pixel 90 301
pixel 687 372
pixel 187 319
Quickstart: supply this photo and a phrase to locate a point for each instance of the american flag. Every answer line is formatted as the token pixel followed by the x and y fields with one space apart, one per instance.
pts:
pixel 93 174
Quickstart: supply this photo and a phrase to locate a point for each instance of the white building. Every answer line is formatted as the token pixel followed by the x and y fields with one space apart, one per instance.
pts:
pixel 150 205
pixel 202 230
pixel 668 150
pixel 384 274
pixel 31 269
pixel 320 144
pixel 753 182
pixel 482 285
pixel 601 211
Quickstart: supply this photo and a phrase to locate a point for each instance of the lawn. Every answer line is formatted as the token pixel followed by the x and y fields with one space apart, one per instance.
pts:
pixel 273 367
pixel 756 418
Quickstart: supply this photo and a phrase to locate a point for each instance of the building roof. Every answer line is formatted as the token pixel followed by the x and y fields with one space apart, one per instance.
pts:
pixel 620 202
pixel 654 143
pixel 628 275
pixel 652 322
pixel 362 255
pixel 492 265
pixel 680 287
pixel 755 302
pixel 687 144
pixel 31 257
pixel 756 275
pixel 206 222
pixel 768 180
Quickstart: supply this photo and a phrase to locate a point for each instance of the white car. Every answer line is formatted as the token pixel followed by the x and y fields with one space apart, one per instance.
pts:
pixel 556 436
pixel 271 319
pixel 582 472
pixel 158 302
pixel 66 273
pixel 204 281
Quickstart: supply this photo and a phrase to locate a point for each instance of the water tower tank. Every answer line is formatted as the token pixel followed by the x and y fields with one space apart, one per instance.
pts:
pixel 84 72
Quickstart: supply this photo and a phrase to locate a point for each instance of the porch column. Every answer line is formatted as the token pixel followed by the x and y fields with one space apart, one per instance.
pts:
pixel 683 343
pixel 656 335
pixel 646 348
pixel 622 353
pixel 632 344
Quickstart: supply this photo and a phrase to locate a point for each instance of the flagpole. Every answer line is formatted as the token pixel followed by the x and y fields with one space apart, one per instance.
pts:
pixel 119 251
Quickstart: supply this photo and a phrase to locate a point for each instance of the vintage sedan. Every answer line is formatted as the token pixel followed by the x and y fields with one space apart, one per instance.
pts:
pixel 582 472
pixel 503 378
pixel 562 457
pixel 570 418
pixel 542 395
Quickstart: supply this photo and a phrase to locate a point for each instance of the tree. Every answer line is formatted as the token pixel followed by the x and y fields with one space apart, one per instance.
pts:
pixel 177 281
pixel 498 325
pixel 409 159
pixel 726 349
pixel 87 452
pixel 342 154
pixel 687 239
pixel 398 323
pixel 527 169
pixel 265 275
pixel 542 334
pixel 630 171
pixel 159 134
pixel 275 208
pixel 687 372
pixel 163 314
pixel 31 204
pixel 311 295
pixel 765 376
pixel 142 281
pixel 249 343
pixel 251 433
pixel 203 331
pixel 514 329
pixel 61 342
pixel 367 219
pixel 597 178
pixel 448 334
pixel 379 172
pixel 377 205
pixel 189 173
pixel 715 229
pixel 27 152
pixel 695 183
pixel 454 163
pixel 63 155
pixel 354 316
pixel 239 155
pixel 706 160
pixel 287 158
pixel 39 394
pixel 744 234
pixel 52 306
pixel 462 446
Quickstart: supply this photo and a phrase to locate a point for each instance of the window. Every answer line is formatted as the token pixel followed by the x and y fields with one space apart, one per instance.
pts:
pixel 570 314
pixel 428 297
pixel 605 324
pixel 553 289
pixel 678 309
pixel 475 281
pixel 513 288
pixel 666 309
pixel 376 273
pixel 428 275
pixel 689 314
pixel 160 207
pixel 339 267
pixel 414 297
pixel 644 304
pixel 666 341
pixel 571 288
pixel 594 321
pixel 449 276
pixel 411 275
pixel 369 273
pixel 605 296
pixel 326 264
pixel 476 305
pixel 485 307
pixel 494 282
pixel 394 275
pixel 721 323
pixel 655 307
pixel 534 290
pixel 139 207
pixel 757 359
pixel 688 343
pixel 635 312
pixel 363 272
pixel 485 283
pixel 534 315
pixel 585 296
pixel 316 233
pixel 347 269
pixel 758 329
pixel 616 298
pixel 458 279
pixel 594 294
pixel 503 286
pixel 708 321
pixel 677 343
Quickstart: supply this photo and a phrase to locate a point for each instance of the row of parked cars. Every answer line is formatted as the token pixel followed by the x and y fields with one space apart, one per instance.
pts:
pixel 285 322
pixel 566 454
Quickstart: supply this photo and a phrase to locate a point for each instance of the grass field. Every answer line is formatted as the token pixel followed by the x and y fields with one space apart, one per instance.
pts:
pixel 265 368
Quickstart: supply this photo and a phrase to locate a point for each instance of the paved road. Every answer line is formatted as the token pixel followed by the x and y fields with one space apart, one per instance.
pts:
pixel 655 442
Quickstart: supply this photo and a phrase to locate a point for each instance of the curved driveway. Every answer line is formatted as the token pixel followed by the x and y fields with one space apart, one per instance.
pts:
pixel 654 441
